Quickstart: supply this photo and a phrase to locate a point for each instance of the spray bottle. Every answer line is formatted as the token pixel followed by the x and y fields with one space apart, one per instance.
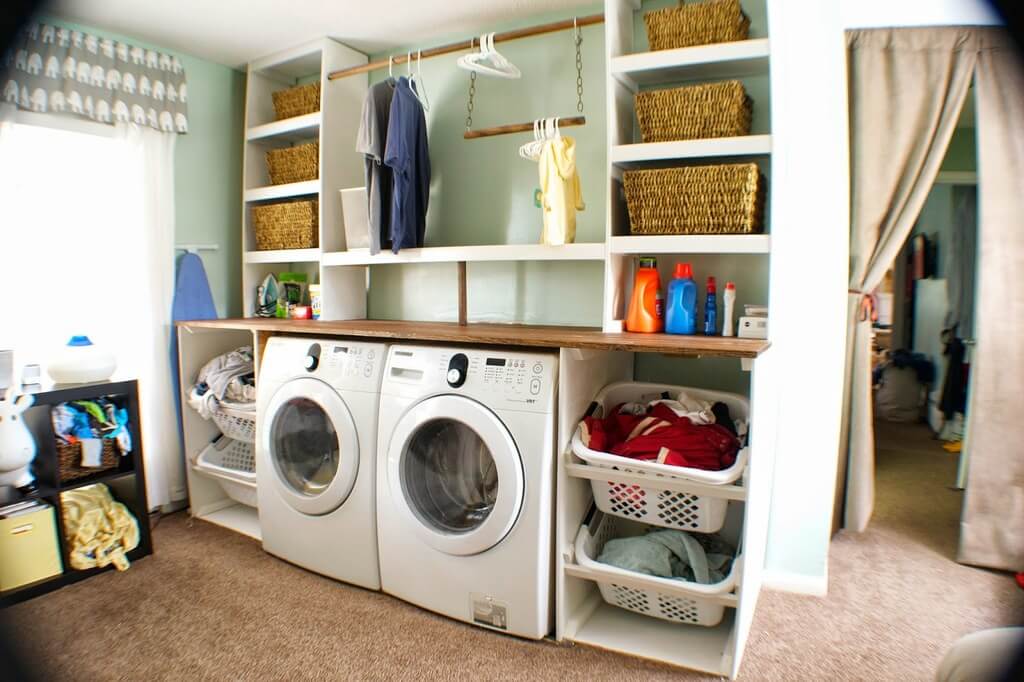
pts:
pixel 729 303
pixel 711 309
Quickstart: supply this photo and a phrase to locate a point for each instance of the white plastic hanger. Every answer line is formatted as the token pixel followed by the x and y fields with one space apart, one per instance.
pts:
pixel 526 150
pixel 488 61
pixel 417 79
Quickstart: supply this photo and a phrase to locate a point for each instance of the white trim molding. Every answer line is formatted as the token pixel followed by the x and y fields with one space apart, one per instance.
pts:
pixel 796 583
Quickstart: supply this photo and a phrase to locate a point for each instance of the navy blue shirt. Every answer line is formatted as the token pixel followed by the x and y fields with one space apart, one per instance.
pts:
pixel 407 155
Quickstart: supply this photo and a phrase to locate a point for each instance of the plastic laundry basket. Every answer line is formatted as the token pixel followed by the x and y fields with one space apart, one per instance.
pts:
pixel 652 503
pixel 235 420
pixel 233 464
pixel 669 599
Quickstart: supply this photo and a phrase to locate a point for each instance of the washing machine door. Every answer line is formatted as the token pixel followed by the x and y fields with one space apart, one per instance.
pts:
pixel 311 446
pixel 455 475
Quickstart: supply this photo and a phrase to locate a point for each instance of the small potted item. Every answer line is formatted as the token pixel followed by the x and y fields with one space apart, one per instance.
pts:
pixel 17 447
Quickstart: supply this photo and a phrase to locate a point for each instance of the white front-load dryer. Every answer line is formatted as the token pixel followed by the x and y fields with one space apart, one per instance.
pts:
pixel 465 484
pixel 315 455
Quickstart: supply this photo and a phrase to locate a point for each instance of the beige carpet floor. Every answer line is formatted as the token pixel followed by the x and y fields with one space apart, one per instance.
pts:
pixel 210 605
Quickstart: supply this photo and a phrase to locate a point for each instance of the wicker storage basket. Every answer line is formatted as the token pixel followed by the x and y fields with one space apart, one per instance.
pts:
pixel 294 164
pixel 297 101
pixel 694 112
pixel 711 21
pixel 723 199
pixel 69 460
pixel 287 225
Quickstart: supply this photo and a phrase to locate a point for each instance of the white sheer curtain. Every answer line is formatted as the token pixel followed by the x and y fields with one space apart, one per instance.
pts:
pixel 86 247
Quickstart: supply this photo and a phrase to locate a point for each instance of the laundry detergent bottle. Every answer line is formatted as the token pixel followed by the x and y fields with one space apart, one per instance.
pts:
pixel 681 304
pixel 711 309
pixel 645 312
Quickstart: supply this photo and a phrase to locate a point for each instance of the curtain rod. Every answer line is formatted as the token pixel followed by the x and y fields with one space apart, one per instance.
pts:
pixel 520 128
pixel 473 42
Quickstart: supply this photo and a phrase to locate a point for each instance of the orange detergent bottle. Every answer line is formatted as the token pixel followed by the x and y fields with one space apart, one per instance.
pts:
pixel 645 309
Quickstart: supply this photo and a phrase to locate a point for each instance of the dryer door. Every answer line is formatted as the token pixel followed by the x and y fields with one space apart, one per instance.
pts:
pixel 455 475
pixel 310 442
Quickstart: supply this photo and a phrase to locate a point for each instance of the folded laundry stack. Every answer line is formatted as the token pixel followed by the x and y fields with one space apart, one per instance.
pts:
pixel 679 431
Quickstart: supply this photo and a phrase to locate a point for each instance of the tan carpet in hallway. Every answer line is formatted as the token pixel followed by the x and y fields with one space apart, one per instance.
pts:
pixel 210 605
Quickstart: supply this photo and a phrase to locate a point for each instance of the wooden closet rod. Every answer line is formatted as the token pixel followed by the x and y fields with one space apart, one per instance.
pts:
pixel 520 128
pixel 471 44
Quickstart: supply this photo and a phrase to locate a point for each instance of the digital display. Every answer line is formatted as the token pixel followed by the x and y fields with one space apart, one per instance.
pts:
pixel 340 349
pixel 495 362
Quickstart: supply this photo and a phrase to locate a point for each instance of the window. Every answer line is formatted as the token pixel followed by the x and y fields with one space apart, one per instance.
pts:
pixel 71 251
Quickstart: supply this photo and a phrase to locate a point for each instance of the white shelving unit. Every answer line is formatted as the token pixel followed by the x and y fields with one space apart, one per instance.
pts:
pixel 207 499
pixel 334 127
pixel 582 615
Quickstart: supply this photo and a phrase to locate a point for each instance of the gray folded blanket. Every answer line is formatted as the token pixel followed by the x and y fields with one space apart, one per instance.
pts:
pixel 703 559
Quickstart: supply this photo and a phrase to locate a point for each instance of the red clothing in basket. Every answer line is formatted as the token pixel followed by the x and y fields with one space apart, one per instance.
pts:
pixel 662 436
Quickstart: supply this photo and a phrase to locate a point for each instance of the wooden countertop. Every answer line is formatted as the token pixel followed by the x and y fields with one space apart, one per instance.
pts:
pixel 503 335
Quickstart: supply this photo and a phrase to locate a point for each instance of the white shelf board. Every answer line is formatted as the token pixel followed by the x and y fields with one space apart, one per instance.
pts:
pixel 283 256
pixel 237 517
pixel 294 189
pixel 689 646
pixel 692 243
pixel 295 62
pixel 452 254
pixel 748 145
pixel 703 62
pixel 289 130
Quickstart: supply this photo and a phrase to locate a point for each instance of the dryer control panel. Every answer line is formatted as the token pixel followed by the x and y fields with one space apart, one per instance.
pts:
pixel 342 364
pixel 505 379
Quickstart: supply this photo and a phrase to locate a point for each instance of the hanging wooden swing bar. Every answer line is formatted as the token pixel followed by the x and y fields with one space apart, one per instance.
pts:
pixel 471 44
pixel 520 128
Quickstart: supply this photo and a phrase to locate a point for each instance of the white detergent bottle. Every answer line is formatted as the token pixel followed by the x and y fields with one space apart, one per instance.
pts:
pixel 729 302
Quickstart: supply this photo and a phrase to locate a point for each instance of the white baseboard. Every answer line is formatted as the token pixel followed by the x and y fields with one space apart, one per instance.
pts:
pixel 797 583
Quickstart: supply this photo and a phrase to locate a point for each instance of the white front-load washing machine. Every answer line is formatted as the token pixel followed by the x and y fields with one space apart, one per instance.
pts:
pixel 315 455
pixel 465 484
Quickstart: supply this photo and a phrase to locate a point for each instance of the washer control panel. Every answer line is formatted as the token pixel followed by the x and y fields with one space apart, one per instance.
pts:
pixel 501 378
pixel 342 364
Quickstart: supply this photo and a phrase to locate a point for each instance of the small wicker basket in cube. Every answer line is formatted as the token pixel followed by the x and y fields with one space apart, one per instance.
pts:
pixel 297 101
pixel 294 164
pixel 702 23
pixel 286 225
pixel 694 112
pixel 721 199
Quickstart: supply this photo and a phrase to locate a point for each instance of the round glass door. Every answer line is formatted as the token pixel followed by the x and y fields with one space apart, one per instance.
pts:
pixel 455 474
pixel 305 446
pixel 449 476
pixel 310 442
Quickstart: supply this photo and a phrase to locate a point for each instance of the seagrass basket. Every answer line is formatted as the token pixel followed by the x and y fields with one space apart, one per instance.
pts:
pixel 721 199
pixel 297 101
pixel 69 460
pixel 294 164
pixel 694 112
pixel 701 23
pixel 286 225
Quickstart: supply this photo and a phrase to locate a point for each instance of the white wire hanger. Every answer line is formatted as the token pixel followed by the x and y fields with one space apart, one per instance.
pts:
pixel 488 61
pixel 417 80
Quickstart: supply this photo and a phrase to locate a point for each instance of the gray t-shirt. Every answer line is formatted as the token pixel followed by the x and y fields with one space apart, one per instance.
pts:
pixel 372 142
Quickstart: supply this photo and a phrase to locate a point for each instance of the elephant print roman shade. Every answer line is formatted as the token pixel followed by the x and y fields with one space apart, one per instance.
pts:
pixel 51 69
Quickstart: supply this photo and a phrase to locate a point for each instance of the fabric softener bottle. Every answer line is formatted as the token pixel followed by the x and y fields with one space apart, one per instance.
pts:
pixel 711 309
pixel 681 308
pixel 645 313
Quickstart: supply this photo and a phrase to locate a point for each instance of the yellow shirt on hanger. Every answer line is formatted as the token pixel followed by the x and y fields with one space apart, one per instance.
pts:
pixel 560 191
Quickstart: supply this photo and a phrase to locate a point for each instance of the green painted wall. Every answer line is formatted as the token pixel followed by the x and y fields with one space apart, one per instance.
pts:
pixel 482 192
pixel 208 167
pixel 962 154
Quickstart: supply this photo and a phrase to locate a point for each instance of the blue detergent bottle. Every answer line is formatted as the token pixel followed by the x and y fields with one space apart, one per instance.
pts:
pixel 711 309
pixel 681 308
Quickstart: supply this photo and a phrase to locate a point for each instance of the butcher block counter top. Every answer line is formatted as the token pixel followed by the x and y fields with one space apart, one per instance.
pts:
pixel 533 336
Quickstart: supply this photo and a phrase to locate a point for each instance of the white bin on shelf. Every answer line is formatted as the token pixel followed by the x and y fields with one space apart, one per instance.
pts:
pixel 651 503
pixel 674 600
pixel 233 464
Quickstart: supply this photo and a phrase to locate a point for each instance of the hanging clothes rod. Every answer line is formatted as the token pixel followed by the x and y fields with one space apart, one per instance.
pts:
pixel 520 128
pixel 196 248
pixel 471 44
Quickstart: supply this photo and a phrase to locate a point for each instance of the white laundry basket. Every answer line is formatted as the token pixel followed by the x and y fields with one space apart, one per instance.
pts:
pixel 674 600
pixel 235 420
pixel 651 503
pixel 233 464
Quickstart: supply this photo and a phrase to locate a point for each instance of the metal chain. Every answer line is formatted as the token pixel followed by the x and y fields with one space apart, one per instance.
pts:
pixel 579 72
pixel 469 102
